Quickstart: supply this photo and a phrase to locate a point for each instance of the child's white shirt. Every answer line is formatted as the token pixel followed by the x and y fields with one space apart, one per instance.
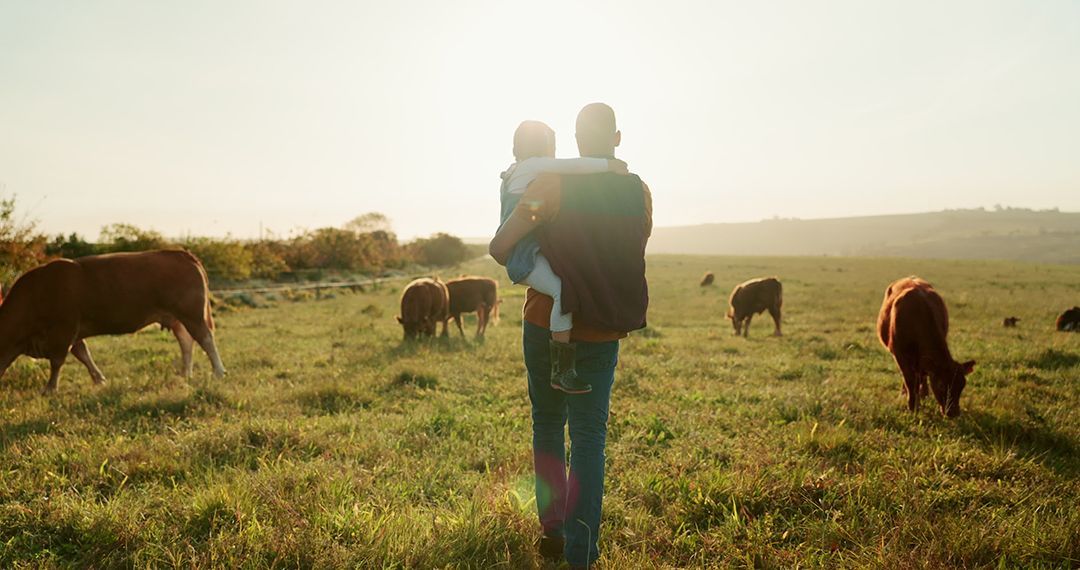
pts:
pixel 524 172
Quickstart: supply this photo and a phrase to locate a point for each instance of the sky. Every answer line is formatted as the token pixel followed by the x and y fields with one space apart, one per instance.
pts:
pixel 231 118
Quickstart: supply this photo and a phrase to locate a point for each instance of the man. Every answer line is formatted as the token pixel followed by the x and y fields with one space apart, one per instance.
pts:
pixel 592 229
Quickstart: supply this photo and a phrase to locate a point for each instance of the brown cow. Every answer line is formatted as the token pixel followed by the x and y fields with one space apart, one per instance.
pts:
pixel 913 324
pixel 1069 320
pixel 474 294
pixel 424 304
pixel 707 279
pixel 754 297
pixel 1010 322
pixel 52 308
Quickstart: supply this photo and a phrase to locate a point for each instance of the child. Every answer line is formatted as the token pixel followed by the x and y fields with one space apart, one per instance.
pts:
pixel 534 152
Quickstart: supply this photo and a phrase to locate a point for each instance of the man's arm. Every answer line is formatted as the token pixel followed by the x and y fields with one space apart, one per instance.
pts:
pixel 539 204
pixel 515 228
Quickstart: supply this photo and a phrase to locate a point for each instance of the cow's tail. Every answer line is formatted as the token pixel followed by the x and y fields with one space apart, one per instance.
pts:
pixel 208 315
pixel 779 294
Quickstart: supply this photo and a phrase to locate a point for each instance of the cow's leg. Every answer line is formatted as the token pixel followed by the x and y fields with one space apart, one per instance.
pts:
pixel 457 320
pixel 482 319
pixel 207 344
pixel 187 344
pixel 55 363
pixel 774 312
pixel 911 381
pixel 746 327
pixel 205 337
pixel 82 354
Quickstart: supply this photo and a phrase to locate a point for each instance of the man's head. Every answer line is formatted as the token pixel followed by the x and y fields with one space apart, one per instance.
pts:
pixel 532 139
pixel 596 131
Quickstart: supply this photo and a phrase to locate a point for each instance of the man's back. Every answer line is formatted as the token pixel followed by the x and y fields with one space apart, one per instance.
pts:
pixel 594 234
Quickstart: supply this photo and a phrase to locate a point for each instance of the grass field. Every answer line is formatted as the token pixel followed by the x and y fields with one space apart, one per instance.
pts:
pixel 330 444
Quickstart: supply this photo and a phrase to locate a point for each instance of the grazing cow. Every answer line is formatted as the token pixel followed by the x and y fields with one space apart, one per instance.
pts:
pixel 1010 322
pixel 424 304
pixel 707 279
pixel 751 298
pixel 51 309
pixel 913 324
pixel 1069 320
pixel 474 294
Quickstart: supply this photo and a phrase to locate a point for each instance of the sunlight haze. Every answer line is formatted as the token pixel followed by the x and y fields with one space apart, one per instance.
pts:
pixel 212 118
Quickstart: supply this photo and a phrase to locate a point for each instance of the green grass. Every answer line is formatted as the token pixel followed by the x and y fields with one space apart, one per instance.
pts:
pixel 332 445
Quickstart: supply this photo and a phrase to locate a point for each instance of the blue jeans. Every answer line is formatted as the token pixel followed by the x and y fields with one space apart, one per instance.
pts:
pixel 569 505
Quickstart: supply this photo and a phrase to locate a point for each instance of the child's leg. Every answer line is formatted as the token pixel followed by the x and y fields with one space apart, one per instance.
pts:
pixel 563 352
pixel 544 280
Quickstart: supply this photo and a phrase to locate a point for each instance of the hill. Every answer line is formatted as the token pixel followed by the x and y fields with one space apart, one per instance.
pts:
pixel 1045 236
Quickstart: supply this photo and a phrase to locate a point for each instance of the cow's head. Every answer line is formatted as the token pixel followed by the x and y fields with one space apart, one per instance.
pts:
pixel 736 320
pixel 415 328
pixel 949 384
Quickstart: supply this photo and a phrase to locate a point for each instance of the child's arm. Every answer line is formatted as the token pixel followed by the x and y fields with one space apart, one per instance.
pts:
pixel 573 165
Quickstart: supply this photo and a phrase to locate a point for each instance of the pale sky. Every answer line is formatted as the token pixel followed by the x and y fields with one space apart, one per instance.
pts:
pixel 212 117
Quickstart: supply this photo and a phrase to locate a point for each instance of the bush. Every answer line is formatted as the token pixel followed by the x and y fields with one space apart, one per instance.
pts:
pixel 440 250
pixel 21 247
pixel 224 260
pixel 71 247
pixel 126 237
pixel 267 259
pixel 344 250
pixel 364 245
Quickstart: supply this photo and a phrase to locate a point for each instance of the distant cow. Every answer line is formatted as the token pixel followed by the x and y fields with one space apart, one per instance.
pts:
pixel 1069 320
pixel 913 324
pixel 1010 322
pixel 707 279
pixel 753 297
pixel 51 309
pixel 424 304
pixel 474 294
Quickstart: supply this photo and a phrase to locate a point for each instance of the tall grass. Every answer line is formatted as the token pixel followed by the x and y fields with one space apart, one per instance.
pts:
pixel 331 444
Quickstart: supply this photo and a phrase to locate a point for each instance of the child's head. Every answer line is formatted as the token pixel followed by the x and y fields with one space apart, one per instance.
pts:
pixel 532 139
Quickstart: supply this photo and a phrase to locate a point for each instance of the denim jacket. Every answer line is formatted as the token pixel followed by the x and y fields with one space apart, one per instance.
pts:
pixel 522 259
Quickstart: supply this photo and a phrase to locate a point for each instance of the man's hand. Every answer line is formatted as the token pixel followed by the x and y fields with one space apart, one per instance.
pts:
pixel 617 166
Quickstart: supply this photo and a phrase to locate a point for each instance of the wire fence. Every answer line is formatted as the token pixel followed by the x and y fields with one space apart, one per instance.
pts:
pixel 319 287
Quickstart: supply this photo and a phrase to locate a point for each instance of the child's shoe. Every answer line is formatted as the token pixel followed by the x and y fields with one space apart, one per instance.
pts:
pixel 563 373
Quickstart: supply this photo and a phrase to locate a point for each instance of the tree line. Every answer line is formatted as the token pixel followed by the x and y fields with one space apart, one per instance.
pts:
pixel 365 245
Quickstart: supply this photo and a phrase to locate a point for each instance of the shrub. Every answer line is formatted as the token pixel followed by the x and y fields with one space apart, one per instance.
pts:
pixel 440 249
pixel 71 247
pixel 267 259
pixel 224 260
pixel 21 247
pixel 126 237
pixel 343 250
pixel 364 245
